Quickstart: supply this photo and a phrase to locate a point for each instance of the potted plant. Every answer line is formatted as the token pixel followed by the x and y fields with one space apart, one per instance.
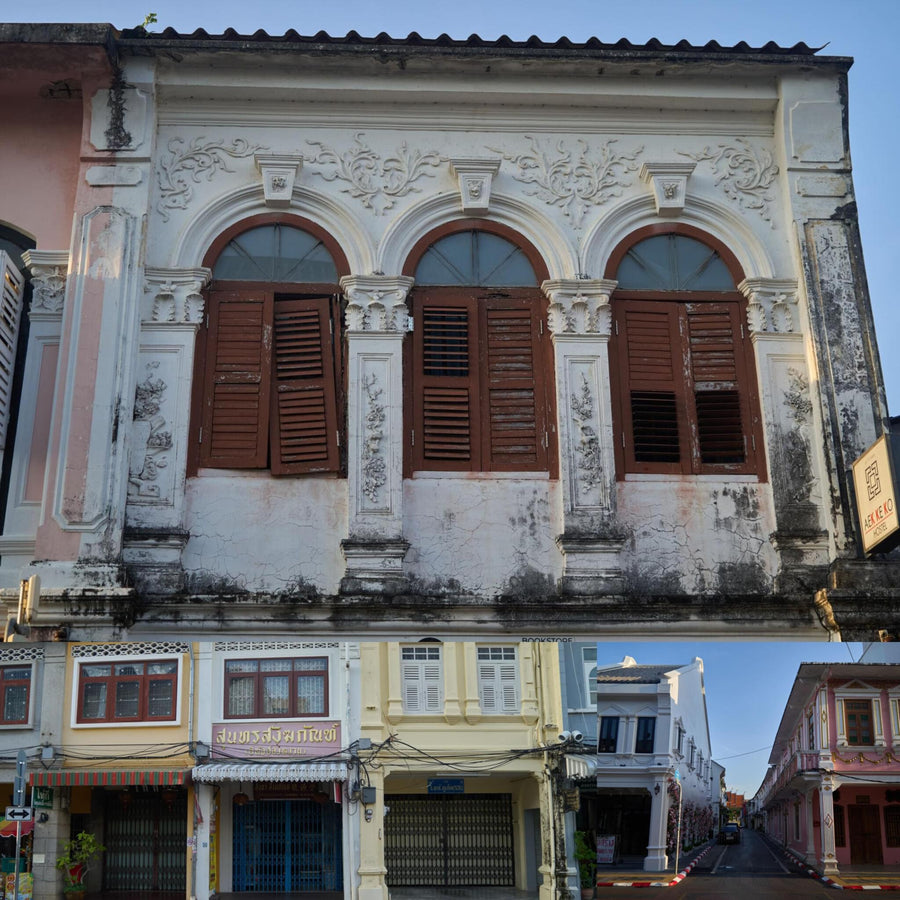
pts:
pixel 75 861
pixel 586 857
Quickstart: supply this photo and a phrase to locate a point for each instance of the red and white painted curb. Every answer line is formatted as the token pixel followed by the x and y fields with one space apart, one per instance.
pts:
pixel 676 880
pixel 831 882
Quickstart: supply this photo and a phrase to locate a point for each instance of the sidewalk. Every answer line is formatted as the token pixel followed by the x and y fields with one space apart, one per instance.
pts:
pixel 851 878
pixel 625 876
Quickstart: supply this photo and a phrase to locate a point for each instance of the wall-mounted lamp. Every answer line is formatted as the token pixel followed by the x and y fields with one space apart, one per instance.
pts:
pixel 43 817
pixel 656 790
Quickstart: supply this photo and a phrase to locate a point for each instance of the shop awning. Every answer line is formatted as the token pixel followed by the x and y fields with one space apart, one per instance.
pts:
pixel 215 773
pixel 580 766
pixel 109 778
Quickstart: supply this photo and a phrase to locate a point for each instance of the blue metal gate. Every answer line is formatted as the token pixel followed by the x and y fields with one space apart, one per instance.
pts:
pixel 287 845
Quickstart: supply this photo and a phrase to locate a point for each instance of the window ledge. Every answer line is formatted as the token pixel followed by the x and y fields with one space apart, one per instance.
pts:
pixel 483 476
pixel 703 479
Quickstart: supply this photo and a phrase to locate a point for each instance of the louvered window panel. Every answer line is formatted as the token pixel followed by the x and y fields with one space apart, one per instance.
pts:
pixel 498 679
pixel 10 315
pixel 446 434
pixel 446 342
pixel 304 419
pixel 712 344
pixel 513 437
pixel 236 405
pixel 649 347
pixel 421 679
pixel 654 422
pixel 719 428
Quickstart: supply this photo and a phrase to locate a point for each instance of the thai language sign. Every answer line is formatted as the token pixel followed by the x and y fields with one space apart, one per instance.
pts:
pixel 281 740
pixel 876 497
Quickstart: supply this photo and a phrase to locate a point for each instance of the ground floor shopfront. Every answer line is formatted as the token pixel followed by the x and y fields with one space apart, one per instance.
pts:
pixel 445 833
pixel 274 829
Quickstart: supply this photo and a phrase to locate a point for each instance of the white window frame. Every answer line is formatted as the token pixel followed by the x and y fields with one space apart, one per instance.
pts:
pixel 679 739
pixel 857 690
pixel 498 680
pixel 589 667
pixel 422 679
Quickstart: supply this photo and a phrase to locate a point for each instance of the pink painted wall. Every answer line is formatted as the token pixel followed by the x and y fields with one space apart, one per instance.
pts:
pixel 40 139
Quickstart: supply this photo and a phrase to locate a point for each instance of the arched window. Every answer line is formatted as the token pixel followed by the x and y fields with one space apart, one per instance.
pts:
pixel 269 357
pixel 479 397
pixel 686 401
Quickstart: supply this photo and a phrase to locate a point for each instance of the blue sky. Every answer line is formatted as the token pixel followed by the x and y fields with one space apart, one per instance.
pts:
pixel 747 686
pixel 865 29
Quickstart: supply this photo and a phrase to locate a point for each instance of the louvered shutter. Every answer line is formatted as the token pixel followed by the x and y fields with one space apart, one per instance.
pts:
pixel 515 439
pixel 446 420
pixel 714 347
pixel 235 422
pixel 422 686
pixel 498 681
pixel 10 316
pixel 304 415
pixel 654 376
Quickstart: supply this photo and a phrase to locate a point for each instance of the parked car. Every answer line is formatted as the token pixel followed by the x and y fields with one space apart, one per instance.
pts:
pixel 730 834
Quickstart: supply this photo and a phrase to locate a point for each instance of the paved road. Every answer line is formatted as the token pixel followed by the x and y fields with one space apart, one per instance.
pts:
pixel 750 869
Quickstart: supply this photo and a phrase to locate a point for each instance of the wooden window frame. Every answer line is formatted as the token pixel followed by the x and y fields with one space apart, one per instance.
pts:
pixel 856 729
pixel 676 393
pixel 111 681
pixel 454 407
pixel 273 297
pixel 258 694
pixel 6 682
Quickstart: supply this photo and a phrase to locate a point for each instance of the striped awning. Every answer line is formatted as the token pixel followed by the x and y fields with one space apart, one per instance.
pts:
pixel 109 778
pixel 580 766
pixel 215 773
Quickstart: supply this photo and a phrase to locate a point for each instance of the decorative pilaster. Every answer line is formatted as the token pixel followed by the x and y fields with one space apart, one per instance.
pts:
pixel 828 860
pixel 775 322
pixel 580 319
pixel 171 313
pixel 376 321
pixel 657 859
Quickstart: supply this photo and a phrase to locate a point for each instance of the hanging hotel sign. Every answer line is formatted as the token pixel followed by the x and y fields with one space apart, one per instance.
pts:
pixel 876 497
pixel 281 740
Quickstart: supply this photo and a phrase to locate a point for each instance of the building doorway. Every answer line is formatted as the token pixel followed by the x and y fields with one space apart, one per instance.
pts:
pixel 865 835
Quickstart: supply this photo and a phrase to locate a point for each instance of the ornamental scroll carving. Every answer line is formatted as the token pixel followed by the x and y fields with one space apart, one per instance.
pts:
pixel 374 468
pixel 743 173
pixel 157 441
pixel 184 166
pixel 375 180
pixel 574 182
pixel 590 463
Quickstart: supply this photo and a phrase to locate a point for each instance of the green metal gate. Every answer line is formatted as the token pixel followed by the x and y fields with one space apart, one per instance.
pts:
pixel 449 840
pixel 146 841
pixel 287 845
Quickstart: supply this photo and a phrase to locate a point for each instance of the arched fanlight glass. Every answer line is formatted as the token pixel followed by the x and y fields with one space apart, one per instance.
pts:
pixel 673 262
pixel 276 253
pixel 475 258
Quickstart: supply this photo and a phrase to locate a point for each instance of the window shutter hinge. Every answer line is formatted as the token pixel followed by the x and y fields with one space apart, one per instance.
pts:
pixel 623 440
pixel 541 323
pixel 617 328
pixel 206 320
pixel 753 442
pixel 337 436
pixel 200 441
pixel 412 437
pixel 331 327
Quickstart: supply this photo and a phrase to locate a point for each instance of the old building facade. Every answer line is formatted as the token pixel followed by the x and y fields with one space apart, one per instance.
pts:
pixel 832 792
pixel 353 333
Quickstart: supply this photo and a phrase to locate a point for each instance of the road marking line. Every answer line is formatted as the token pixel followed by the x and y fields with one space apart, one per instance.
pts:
pixel 780 863
pixel 715 868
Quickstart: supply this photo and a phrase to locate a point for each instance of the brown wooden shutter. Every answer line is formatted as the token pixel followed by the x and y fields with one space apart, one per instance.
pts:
pixel 446 404
pixel 236 387
pixel 714 344
pixel 304 413
pixel 515 439
pixel 654 386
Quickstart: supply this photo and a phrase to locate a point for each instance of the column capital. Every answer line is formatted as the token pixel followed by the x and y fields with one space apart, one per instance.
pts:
pixel 579 306
pixel 377 302
pixel 772 305
pixel 49 269
pixel 172 296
